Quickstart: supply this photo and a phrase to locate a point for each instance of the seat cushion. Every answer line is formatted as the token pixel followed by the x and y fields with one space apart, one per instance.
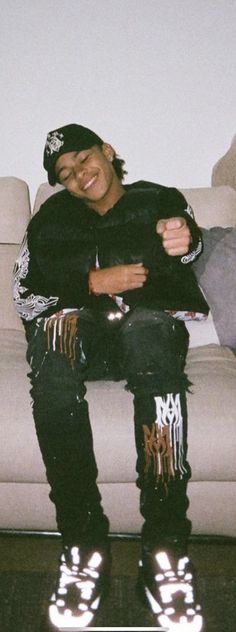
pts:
pixel 212 436
pixel 212 405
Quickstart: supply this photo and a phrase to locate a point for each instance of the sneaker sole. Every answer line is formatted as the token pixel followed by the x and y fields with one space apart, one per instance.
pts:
pixel 73 625
pixel 141 592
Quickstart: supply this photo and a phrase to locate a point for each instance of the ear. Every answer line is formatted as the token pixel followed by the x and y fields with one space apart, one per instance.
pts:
pixel 108 151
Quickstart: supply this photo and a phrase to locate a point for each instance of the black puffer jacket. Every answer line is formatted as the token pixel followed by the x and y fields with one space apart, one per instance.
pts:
pixel 66 238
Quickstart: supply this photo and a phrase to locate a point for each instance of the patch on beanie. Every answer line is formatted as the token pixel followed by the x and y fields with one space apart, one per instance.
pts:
pixel 54 142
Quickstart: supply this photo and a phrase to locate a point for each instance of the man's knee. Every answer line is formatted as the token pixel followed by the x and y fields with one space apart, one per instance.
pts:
pixel 153 335
pixel 153 349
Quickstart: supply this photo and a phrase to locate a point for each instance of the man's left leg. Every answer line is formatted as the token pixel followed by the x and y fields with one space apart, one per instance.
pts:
pixel 154 348
pixel 59 353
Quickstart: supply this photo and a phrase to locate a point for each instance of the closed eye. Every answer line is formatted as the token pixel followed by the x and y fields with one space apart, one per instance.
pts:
pixel 65 177
pixel 83 156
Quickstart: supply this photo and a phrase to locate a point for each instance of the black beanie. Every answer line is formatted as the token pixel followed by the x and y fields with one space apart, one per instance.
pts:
pixel 65 139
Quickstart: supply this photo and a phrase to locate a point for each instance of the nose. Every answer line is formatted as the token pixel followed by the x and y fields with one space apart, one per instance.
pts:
pixel 79 171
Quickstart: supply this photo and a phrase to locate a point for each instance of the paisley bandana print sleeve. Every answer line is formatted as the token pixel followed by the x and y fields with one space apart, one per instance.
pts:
pixel 42 284
pixel 28 304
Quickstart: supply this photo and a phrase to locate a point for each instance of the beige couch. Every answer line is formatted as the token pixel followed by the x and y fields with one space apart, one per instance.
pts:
pixel 24 490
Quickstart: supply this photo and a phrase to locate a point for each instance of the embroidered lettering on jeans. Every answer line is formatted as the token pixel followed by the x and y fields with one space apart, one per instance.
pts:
pixel 164 440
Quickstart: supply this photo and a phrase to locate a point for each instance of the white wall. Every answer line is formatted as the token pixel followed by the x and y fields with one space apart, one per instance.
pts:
pixel 156 78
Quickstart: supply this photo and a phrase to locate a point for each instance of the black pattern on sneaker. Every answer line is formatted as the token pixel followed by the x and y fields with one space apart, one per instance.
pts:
pixel 82 581
pixel 167 583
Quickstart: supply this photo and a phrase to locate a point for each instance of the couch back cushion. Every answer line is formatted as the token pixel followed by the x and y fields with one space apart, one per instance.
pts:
pixel 14 217
pixel 45 191
pixel 213 206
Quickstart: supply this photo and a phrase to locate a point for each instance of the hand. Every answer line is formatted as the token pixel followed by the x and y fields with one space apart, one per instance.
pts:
pixel 117 278
pixel 175 234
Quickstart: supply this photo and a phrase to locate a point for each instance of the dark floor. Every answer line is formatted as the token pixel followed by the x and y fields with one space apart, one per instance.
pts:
pixel 28 566
pixel 40 553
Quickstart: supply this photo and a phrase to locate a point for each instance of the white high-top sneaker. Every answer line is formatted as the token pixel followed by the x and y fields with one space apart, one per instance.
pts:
pixel 82 581
pixel 167 582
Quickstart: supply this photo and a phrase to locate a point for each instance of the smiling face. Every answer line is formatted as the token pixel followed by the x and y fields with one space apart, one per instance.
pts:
pixel 90 176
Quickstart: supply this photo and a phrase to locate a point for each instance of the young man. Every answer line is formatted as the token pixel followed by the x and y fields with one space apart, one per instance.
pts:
pixel 103 286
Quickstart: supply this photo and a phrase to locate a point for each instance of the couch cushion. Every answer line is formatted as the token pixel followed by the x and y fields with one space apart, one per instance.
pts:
pixel 27 506
pixel 14 209
pixel 224 171
pixel 211 406
pixel 20 456
pixel 202 332
pixel 45 191
pixel 212 437
pixel 215 272
pixel 212 206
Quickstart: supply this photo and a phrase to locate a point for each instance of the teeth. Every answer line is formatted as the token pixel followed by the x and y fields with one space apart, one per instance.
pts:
pixel 86 186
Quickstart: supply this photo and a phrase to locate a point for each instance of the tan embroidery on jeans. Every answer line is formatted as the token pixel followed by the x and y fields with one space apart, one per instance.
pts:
pixel 158 452
pixel 64 328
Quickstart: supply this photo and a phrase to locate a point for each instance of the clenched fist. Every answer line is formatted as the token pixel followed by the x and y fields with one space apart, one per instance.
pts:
pixel 175 234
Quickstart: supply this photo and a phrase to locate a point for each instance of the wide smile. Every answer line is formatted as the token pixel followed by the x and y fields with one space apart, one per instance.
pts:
pixel 90 183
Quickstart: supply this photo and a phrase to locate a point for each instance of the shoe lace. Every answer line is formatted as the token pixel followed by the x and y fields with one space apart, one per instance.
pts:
pixel 81 577
pixel 172 582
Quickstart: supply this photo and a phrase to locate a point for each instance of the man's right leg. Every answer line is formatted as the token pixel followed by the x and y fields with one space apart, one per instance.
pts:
pixel 154 347
pixel 58 368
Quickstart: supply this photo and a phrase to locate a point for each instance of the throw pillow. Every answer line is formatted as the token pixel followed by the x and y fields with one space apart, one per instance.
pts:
pixel 216 274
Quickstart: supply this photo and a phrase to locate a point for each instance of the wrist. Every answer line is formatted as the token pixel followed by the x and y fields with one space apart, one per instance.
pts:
pixel 91 287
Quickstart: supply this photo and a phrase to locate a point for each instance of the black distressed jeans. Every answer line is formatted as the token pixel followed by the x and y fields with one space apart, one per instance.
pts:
pixel 147 348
